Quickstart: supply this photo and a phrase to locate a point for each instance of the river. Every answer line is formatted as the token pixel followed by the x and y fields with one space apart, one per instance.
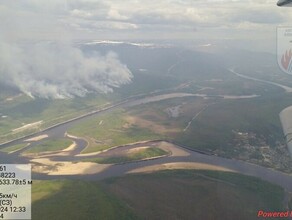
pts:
pixel 242 167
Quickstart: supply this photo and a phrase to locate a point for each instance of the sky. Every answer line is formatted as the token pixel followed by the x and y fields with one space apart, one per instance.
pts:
pixel 247 20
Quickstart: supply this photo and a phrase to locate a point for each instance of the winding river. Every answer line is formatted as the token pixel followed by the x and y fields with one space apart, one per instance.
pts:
pixel 273 176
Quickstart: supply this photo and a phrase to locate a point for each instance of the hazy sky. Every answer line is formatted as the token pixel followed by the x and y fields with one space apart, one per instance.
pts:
pixel 60 70
pixel 135 19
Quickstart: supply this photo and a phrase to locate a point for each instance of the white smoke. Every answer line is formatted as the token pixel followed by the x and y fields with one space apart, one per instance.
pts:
pixel 57 71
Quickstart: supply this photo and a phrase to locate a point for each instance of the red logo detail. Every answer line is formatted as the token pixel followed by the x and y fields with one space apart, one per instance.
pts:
pixel 286 59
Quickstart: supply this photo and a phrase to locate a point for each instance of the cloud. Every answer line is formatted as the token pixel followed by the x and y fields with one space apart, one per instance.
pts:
pixel 57 71
pixel 140 20
pixel 87 18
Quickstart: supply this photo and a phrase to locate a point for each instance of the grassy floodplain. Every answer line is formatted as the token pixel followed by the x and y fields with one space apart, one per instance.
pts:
pixel 134 156
pixel 109 130
pixel 13 148
pixel 23 110
pixel 50 145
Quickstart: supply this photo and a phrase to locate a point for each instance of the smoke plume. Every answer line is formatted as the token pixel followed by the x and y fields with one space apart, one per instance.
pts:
pixel 58 71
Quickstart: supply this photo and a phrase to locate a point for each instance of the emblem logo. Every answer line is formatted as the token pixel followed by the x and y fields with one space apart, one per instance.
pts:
pixel 284 48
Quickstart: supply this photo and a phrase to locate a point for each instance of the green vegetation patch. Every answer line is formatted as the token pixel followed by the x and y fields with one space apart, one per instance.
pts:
pixel 189 194
pixel 171 194
pixel 50 145
pixel 24 110
pixel 13 148
pixel 66 199
pixel 109 130
pixel 135 156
